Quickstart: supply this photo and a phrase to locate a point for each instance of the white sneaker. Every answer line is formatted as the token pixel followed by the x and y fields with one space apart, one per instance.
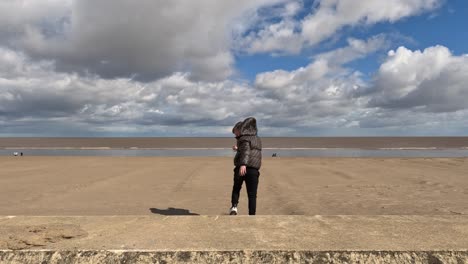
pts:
pixel 233 211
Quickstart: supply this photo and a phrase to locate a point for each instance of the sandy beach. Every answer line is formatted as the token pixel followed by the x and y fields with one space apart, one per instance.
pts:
pixel 202 185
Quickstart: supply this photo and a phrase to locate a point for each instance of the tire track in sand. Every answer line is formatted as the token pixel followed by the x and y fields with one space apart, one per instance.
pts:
pixel 189 177
pixel 284 201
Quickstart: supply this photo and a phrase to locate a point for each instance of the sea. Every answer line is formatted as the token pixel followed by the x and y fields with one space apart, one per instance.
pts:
pixel 222 147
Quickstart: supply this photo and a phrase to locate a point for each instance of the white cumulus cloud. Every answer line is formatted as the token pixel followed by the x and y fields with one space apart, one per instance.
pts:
pixel 326 19
pixel 432 80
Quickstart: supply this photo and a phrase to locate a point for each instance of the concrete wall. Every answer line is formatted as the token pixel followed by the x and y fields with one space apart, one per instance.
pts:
pixel 123 256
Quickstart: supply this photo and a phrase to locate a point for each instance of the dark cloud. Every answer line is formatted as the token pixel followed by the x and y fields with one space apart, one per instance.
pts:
pixel 145 40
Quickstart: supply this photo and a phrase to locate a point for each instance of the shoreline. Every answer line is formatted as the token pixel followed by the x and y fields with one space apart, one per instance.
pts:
pixel 227 142
pixel 201 148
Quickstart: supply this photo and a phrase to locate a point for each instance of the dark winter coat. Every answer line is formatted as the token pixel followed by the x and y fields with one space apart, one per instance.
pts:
pixel 249 145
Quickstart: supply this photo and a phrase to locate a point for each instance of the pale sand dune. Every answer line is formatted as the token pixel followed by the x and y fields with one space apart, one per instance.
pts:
pixel 202 185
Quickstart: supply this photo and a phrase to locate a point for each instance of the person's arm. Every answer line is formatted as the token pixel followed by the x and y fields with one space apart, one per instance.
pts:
pixel 244 151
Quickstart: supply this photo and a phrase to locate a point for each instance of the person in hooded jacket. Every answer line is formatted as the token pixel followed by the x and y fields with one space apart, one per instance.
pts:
pixel 247 162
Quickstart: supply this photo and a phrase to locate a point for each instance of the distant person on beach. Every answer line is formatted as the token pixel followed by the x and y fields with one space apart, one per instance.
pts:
pixel 247 162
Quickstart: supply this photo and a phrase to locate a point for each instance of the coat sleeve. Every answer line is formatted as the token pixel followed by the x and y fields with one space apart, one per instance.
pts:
pixel 244 152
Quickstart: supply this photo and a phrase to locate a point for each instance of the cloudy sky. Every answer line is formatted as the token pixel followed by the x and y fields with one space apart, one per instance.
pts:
pixel 194 68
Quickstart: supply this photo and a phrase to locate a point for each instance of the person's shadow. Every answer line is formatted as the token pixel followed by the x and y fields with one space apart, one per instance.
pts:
pixel 171 211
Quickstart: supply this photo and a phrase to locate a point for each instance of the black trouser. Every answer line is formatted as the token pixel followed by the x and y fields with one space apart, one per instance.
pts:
pixel 251 182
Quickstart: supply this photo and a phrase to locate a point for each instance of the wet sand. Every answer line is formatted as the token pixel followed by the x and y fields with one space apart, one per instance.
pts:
pixel 202 185
pixel 226 142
